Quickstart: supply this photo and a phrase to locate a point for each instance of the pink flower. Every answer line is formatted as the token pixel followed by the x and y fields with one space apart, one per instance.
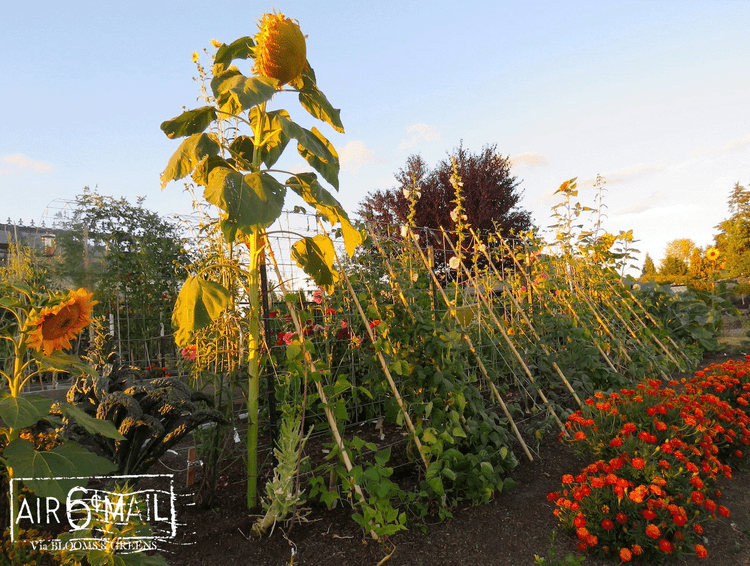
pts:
pixel 189 353
pixel 318 297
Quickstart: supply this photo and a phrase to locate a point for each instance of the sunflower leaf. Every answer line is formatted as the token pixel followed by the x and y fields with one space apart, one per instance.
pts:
pixel 188 155
pixel 313 193
pixel 53 473
pixel 316 257
pixel 91 424
pixel 189 122
pixel 242 48
pixel 235 92
pixel 316 103
pixel 198 304
pixel 22 412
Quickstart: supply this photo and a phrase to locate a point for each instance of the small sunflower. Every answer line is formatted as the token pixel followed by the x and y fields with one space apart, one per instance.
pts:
pixel 281 51
pixel 54 327
pixel 712 254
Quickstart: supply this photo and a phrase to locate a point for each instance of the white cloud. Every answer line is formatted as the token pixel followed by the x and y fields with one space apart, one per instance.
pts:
pixel 643 205
pixel 735 144
pixel 18 162
pixel 420 132
pixel 354 155
pixel 624 175
pixel 529 158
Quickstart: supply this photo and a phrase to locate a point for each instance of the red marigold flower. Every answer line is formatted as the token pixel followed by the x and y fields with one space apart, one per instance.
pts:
pixel 567 478
pixel 621 518
pixel 679 520
pixel 648 514
pixel 665 546
pixel 580 435
pixel 723 511
pixel 553 495
pixel 579 521
pixel 582 533
pixel 597 483
pixel 653 531
pixel 592 540
pixel 697 497
pixel 638 463
pixel 607 525
pixel 637 550
pixel 625 555
pixel 701 551
pixel 615 442
pixel 664 465
pixel 698 529
pixel 696 482
pixel 581 546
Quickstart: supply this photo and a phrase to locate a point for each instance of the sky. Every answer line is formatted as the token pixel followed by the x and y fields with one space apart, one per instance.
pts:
pixel 653 95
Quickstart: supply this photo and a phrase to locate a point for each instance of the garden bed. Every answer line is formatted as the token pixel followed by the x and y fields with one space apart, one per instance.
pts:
pixel 510 530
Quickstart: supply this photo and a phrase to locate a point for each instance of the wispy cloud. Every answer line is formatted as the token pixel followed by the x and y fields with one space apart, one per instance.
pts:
pixel 736 144
pixel 620 176
pixel 354 155
pixel 529 158
pixel 18 163
pixel 642 206
pixel 419 133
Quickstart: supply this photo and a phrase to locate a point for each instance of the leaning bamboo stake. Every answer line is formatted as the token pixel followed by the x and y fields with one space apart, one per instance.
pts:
pixel 603 354
pixel 525 317
pixel 383 363
pixel 330 417
pixel 508 341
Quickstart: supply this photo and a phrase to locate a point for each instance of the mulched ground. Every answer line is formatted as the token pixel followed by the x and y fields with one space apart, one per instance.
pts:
pixel 509 531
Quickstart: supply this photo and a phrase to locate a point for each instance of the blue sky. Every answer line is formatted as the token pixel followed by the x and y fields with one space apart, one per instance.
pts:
pixel 653 95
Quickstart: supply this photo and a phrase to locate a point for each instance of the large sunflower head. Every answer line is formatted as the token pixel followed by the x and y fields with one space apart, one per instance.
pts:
pixel 53 328
pixel 712 254
pixel 280 51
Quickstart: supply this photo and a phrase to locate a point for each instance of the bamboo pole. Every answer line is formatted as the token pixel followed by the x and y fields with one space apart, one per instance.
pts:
pixel 468 340
pixel 525 317
pixel 330 417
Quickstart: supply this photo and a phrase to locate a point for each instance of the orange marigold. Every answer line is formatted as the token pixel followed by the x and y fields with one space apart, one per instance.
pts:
pixel 625 555
pixel 54 327
pixel 653 531
pixel 701 551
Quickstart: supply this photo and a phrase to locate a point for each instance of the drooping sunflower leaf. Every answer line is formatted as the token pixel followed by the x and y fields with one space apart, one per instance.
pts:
pixel 275 139
pixel 242 48
pixel 91 424
pixel 306 185
pixel 316 103
pixel 316 257
pixel 315 149
pixel 205 166
pixel 21 412
pixel 188 155
pixel 189 122
pixel 60 361
pixel 52 470
pixel 235 92
pixel 250 201
pixel 198 303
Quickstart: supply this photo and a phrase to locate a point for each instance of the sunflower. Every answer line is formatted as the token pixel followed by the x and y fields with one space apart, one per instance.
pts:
pixel 281 51
pixel 54 327
pixel 712 254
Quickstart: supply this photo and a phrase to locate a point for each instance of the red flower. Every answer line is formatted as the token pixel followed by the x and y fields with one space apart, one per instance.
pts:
pixel 374 323
pixel 638 463
pixel 625 555
pixel 621 518
pixel 653 531
pixel 723 511
pixel 701 551
pixel 665 546
pixel 607 525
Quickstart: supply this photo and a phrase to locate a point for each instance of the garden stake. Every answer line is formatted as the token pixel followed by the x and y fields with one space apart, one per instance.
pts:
pixel 319 386
pixel 383 363
pixel 526 319
pixel 484 371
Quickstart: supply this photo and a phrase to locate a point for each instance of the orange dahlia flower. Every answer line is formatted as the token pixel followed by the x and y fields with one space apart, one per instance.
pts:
pixel 54 327
pixel 281 51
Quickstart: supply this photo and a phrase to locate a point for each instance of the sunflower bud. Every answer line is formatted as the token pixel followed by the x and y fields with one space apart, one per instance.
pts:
pixel 280 52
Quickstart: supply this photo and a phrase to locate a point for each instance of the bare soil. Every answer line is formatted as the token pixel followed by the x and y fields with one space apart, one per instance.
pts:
pixel 509 531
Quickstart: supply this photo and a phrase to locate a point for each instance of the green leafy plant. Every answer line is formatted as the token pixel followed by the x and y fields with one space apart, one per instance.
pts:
pixel 236 171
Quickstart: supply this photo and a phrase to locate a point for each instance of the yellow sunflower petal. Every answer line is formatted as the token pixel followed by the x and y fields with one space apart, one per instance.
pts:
pixel 54 327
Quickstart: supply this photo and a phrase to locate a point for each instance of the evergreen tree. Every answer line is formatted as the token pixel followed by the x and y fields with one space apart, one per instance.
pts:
pixel 733 239
pixel 649 269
